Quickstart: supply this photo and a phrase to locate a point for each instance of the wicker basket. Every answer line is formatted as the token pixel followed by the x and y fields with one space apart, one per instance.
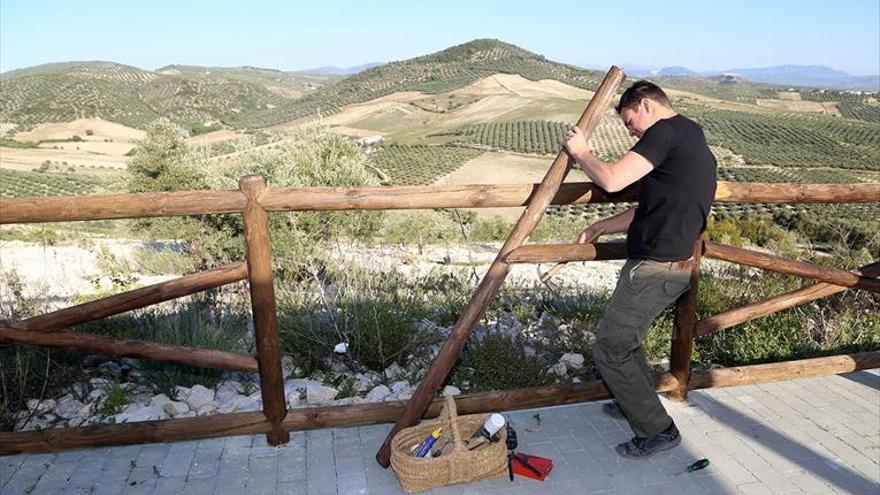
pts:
pixel 456 464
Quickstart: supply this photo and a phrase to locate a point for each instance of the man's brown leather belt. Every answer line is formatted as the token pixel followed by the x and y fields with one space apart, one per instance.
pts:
pixel 683 264
pixel 677 265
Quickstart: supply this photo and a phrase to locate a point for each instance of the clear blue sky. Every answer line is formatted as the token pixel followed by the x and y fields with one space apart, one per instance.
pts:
pixel 843 34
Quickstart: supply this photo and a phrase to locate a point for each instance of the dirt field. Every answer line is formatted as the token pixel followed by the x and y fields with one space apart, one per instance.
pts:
pixel 504 168
pixel 497 97
pixel 212 137
pixel 101 130
pixel 104 145
pixel 797 105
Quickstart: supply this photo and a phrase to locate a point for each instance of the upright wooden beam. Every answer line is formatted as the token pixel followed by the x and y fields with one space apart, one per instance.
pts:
pixel 683 329
pixel 787 300
pixel 259 259
pixel 790 267
pixel 138 298
pixel 497 272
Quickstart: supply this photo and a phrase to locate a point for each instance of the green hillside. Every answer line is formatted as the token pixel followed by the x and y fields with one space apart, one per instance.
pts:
pixel 438 72
pixel 134 97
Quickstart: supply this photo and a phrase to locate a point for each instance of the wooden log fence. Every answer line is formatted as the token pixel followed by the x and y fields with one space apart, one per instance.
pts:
pixel 148 205
pixel 254 200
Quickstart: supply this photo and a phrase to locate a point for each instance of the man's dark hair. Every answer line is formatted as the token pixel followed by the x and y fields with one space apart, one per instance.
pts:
pixel 639 90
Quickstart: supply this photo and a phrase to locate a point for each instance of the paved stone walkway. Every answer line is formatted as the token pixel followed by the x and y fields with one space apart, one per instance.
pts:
pixel 813 436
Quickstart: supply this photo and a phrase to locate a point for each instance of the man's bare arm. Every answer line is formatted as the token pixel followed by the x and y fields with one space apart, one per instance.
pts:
pixel 610 225
pixel 612 178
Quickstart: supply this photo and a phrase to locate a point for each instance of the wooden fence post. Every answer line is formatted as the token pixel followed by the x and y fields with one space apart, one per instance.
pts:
pixel 259 260
pixel 683 329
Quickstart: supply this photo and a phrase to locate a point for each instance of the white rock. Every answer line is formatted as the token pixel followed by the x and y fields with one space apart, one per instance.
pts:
pixel 67 407
pixel 207 408
pixel 188 414
pixel 529 351
pixel 253 402
pixel 558 369
pixel 80 389
pixel 181 393
pixel 363 382
pixel 96 395
pixel 40 407
pixel 572 360
pixel 159 400
pixel 315 391
pixel 349 401
pixel 378 394
pixel 341 348
pixel 399 386
pixel 175 408
pixel 450 390
pixel 401 390
pixel 134 413
pixel 86 410
pixel 198 397
pixel 228 393
pixel 287 366
pixel 99 382
pixel 394 371
pixel 33 424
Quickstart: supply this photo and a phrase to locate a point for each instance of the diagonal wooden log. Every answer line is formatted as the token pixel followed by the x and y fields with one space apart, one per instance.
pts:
pixel 113 347
pixel 790 299
pixel 790 267
pixel 493 279
pixel 134 299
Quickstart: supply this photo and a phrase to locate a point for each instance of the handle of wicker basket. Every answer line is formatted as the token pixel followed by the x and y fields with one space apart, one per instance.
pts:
pixel 452 411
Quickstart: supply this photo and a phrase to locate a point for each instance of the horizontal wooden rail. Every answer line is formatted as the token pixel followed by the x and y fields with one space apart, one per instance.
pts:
pixel 138 298
pixel 545 253
pixel 415 197
pixel 143 205
pixel 308 418
pixel 790 299
pixel 386 412
pixel 790 267
pixel 785 370
pixel 763 192
pixel 114 206
pixel 113 347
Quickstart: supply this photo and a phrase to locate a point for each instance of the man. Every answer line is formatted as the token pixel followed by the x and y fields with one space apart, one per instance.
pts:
pixel 676 173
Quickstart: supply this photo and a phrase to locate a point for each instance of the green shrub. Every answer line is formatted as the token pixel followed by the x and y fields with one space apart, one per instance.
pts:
pixel 498 362
pixel 28 372
pixel 200 322
pixel 115 400
pixel 373 312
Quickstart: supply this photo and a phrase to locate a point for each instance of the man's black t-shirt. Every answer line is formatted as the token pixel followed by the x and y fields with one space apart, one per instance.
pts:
pixel 675 197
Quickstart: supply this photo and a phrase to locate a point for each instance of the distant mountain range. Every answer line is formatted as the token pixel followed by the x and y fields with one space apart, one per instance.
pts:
pixel 808 76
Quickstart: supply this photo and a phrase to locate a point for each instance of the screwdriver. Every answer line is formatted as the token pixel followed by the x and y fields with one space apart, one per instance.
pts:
pixel 701 464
